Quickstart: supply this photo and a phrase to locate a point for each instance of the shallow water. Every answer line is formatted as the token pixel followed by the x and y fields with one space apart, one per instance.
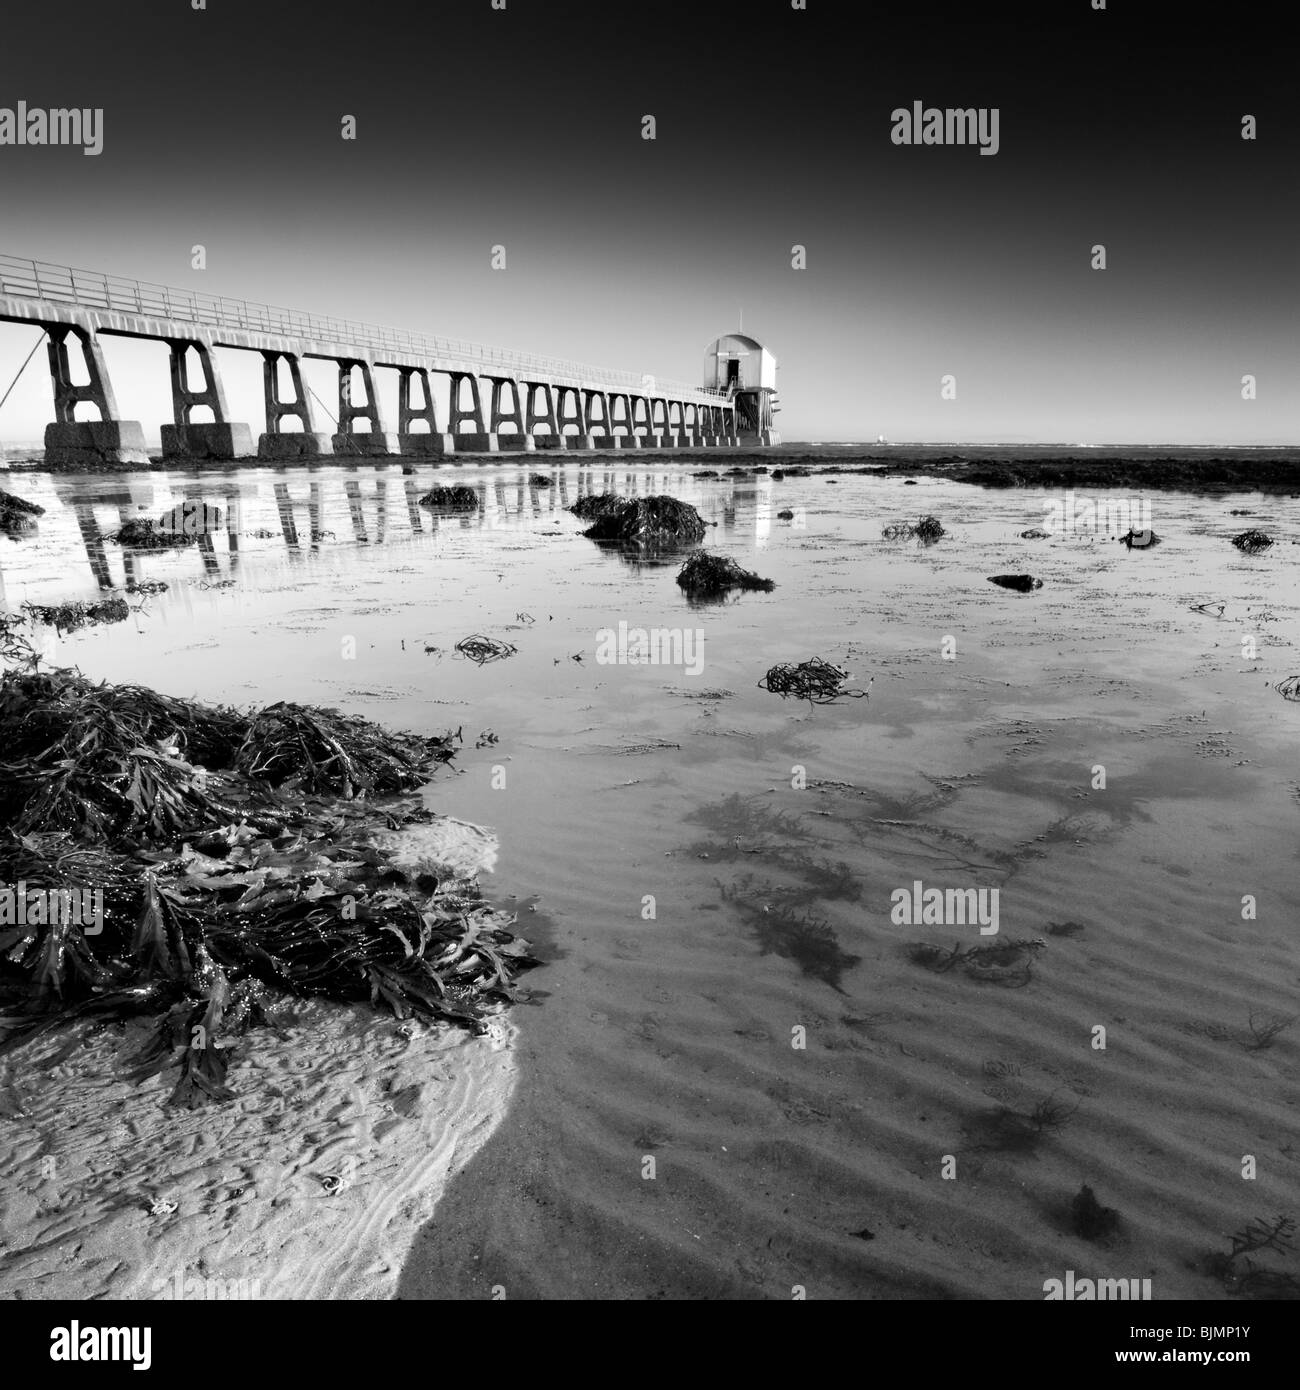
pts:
pixel 699 904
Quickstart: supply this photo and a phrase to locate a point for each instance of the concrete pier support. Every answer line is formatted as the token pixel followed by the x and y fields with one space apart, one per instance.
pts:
pixel 218 439
pixel 563 396
pixel 500 416
pixel 479 440
pixel 552 438
pixel 590 419
pixel 615 423
pixel 515 439
pixel 85 443
pixel 375 442
pixel 275 444
pixel 408 411
pixel 534 417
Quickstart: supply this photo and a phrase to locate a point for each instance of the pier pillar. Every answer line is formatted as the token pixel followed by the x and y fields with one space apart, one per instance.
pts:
pixel 70 442
pixel 643 436
pixel 554 436
pixel 620 441
pixel 583 439
pixel 517 438
pixel 605 439
pixel 410 442
pixel 219 439
pixel 479 440
pixel 275 444
pixel 375 442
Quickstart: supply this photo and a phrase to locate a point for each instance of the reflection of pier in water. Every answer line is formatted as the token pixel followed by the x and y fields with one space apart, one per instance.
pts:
pixel 303 508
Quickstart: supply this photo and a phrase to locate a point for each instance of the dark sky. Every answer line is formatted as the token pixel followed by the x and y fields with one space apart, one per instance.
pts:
pixel 523 127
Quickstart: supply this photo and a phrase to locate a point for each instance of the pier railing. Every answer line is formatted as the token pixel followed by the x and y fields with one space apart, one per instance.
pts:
pixel 89 289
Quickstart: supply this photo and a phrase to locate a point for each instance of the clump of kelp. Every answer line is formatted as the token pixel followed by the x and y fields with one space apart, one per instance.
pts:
pixel 816 681
pixel 143 533
pixel 238 862
pixel 450 499
pixel 710 576
pixel 72 617
pixel 926 528
pixel 192 516
pixel 17 515
pixel 480 649
pixel 656 520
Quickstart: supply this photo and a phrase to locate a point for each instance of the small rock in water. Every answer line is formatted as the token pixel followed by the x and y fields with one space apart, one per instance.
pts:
pixel 1034 534
pixel 1022 583
pixel 1140 540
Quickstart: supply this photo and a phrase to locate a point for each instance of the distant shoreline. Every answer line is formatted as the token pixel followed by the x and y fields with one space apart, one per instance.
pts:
pixel 1253 468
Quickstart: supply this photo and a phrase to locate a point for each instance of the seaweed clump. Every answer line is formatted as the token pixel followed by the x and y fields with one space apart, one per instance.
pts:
pixel 71 617
pixel 816 681
pixel 452 499
pixel 17 515
pixel 234 858
pixel 1252 542
pixel 191 517
pixel 926 528
pixel 645 520
pixel 710 576
pixel 143 533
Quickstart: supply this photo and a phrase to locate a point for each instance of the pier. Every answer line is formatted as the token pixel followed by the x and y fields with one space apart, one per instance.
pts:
pixel 499 400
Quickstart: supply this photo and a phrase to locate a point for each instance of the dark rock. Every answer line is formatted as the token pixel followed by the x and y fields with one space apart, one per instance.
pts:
pixel 1022 583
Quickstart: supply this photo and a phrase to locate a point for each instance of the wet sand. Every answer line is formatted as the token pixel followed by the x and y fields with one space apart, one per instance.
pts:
pixel 311 1185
